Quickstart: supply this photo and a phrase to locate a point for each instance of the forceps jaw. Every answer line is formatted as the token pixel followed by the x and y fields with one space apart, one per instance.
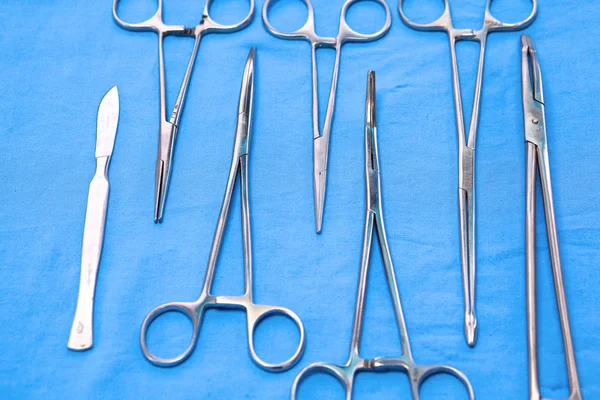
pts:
pixel 373 180
pixel 533 95
pixel 320 154
pixel 168 134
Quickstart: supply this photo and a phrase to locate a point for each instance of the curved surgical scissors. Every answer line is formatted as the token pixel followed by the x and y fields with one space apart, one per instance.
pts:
pixel 168 128
pixel 466 144
pixel 345 35
pixel 537 155
pixel 374 220
pixel 254 312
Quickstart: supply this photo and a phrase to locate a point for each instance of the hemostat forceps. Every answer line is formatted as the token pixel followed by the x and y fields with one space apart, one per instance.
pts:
pixel 168 128
pixel 254 312
pixel 345 35
pixel 466 144
pixel 374 220
pixel 537 156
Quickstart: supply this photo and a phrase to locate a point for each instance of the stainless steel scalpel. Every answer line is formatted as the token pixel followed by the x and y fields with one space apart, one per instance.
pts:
pixel 95 217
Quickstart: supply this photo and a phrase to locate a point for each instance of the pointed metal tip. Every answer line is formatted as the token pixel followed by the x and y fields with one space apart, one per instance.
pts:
pixel 247 90
pixel 157 213
pixel 526 41
pixel 531 72
pixel 320 182
pixel 471 329
pixel 113 92
pixel 158 207
pixel 161 191
pixel 111 95
pixel 250 60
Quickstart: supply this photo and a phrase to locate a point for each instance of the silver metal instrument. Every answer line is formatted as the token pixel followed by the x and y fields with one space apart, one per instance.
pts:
pixel 345 35
pixel 374 220
pixel 254 312
pixel 466 144
pixel 81 337
pixel 168 128
pixel 538 161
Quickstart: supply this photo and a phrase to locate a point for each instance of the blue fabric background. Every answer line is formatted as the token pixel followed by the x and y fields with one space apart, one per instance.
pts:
pixel 60 58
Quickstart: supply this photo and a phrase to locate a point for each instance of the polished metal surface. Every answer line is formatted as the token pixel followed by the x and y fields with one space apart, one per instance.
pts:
pixel 168 128
pixel 538 161
pixel 321 137
pixel 374 220
pixel 255 312
pixel 466 144
pixel 81 337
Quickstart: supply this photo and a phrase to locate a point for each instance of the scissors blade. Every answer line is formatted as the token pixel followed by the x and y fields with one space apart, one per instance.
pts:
pixel 81 337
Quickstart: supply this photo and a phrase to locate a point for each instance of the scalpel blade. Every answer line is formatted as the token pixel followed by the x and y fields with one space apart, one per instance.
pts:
pixel 93 233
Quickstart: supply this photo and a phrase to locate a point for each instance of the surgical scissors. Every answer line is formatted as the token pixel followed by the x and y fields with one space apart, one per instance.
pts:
pixel 255 312
pixel 537 155
pixel 168 128
pixel 345 35
pixel 466 144
pixel 374 220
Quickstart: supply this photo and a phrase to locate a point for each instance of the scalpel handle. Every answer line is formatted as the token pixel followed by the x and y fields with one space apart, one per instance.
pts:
pixel 81 337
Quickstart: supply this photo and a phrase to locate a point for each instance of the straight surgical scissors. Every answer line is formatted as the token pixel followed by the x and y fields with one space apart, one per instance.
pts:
pixel 168 128
pixel 345 35
pixel 374 219
pixel 255 312
pixel 537 155
pixel 466 144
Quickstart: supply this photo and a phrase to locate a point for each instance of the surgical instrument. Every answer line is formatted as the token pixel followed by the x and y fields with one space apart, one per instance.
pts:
pixel 81 337
pixel 254 312
pixel 321 137
pixel 374 220
pixel 168 128
pixel 537 156
pixel 466 144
